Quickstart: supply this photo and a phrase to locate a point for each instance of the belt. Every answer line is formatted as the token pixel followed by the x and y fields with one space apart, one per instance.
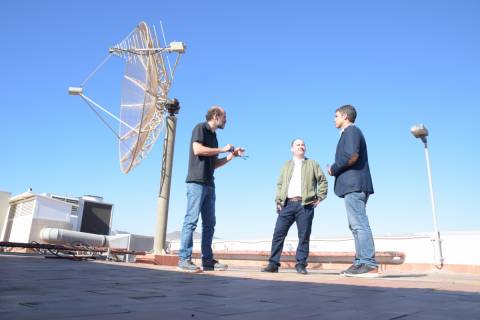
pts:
pixel 294 199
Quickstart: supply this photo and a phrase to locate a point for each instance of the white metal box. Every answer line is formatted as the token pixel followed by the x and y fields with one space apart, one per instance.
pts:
pixel 29 213
pixel 130 242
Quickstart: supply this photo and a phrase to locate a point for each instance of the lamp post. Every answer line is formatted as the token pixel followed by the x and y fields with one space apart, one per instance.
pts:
pixel 421 132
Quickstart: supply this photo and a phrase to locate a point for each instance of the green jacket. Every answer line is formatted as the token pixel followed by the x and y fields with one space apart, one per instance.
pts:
pixel 314 183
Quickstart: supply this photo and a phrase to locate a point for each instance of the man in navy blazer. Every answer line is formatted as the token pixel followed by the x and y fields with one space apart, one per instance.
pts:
pixel 354 183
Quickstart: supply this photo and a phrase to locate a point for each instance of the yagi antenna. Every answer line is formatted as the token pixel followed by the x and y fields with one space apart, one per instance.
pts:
pixel 165 41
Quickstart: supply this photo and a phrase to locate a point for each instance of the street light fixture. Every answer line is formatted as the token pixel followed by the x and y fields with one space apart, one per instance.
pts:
pixel 421 132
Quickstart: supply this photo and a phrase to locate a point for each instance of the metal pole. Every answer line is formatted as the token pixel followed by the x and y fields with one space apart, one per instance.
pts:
pixel 438 258
pixel 165 182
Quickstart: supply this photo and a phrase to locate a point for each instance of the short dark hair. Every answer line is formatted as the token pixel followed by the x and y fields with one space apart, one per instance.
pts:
pixel 349 111
pixel 213 111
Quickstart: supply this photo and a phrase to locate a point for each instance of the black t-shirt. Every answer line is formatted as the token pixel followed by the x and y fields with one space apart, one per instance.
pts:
pixel 201 168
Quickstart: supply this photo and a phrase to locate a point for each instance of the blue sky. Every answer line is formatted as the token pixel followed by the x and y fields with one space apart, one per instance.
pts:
pixel 280 69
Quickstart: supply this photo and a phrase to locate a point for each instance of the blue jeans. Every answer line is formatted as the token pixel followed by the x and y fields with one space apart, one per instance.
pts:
pixel 303 216
pixel 200 199
pixel 355 203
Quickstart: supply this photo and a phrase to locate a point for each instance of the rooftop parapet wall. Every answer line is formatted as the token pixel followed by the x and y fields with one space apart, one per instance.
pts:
pixel 459 248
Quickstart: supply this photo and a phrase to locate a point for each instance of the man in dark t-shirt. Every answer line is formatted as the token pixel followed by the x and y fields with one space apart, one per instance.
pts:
pixel 201 168
pixel 203 161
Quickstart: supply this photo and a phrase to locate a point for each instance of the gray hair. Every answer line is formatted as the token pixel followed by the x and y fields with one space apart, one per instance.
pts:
pixel 214 111
pixel 293 141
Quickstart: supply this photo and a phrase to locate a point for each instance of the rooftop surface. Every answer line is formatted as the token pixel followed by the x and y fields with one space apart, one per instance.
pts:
pixel 33 287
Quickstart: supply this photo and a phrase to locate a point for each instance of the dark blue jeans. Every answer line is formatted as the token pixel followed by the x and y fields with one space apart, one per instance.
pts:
pixel 303 217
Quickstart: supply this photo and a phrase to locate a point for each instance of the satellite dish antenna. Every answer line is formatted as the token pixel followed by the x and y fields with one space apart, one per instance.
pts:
pixel 144 107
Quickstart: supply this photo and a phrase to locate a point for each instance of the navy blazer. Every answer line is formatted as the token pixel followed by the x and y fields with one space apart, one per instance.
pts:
pixel 355 177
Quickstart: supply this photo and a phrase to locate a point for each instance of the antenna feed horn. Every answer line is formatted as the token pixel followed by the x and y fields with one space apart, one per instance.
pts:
pixel 177 46
pixel 75 91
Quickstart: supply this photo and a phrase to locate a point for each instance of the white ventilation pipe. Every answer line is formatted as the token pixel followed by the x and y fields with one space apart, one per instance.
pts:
pixel 72 237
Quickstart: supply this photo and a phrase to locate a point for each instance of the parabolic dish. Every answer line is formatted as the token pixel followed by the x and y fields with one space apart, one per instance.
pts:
pixel 138 106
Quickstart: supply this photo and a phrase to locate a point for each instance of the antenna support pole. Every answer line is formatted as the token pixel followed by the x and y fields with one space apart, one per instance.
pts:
pixel 165 179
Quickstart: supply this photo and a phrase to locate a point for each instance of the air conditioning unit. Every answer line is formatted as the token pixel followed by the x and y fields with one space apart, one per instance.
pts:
pixel 89 213
pixel 74 201
pixel 29 213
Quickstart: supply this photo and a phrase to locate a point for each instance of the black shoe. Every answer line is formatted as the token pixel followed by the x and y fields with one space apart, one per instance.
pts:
pixel 270 268
pixel 213 265
pixel 301 269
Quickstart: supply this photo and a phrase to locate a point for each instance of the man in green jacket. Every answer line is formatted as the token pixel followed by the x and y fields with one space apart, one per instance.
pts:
pixel 300 188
